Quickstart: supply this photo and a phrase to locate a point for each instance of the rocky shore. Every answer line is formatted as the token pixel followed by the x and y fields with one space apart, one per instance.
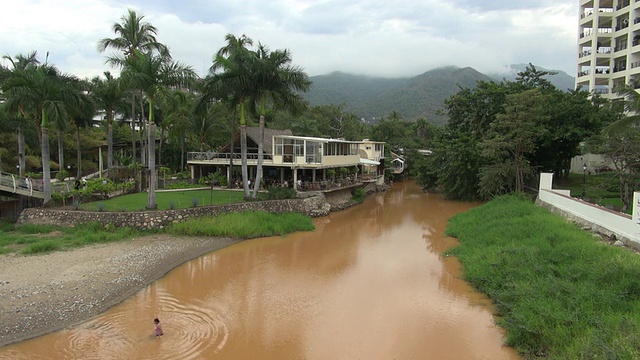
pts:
pixel 44 293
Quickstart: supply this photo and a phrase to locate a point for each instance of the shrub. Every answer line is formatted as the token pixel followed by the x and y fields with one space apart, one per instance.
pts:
pixel 278 193
pixel 344 171
pixel 172 205
pixel 358 194
pixel 76 204
pixel 100 207
pixel 40 247
pixel 195 202
pixel 62 174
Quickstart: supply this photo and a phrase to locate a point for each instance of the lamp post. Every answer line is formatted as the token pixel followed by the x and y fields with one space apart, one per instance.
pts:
pixel 584 180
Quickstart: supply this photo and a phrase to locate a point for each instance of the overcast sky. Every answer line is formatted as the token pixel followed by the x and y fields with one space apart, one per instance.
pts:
pixel 371 37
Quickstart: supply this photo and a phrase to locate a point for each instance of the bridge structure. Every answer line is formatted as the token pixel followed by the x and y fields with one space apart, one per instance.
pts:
pixel 22 185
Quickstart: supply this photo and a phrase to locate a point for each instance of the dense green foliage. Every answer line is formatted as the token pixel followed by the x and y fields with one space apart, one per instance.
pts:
pixel 559 292
pixel 500 135
pixel 249 224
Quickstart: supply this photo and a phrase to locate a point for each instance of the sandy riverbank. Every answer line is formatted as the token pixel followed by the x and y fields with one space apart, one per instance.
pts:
pixel 45 293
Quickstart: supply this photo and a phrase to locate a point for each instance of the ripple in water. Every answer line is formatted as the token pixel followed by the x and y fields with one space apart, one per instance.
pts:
pixel 126 331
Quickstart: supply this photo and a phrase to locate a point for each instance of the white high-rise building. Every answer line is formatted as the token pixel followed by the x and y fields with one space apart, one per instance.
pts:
pixel 608 45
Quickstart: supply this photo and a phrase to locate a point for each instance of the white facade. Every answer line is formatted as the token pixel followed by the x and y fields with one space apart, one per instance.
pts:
pixel 608 45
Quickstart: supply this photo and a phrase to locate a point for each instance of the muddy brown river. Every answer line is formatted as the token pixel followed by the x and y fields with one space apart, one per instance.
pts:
pixel 369 283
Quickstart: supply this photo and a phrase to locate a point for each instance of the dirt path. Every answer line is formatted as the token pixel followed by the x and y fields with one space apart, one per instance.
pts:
pixel 44 293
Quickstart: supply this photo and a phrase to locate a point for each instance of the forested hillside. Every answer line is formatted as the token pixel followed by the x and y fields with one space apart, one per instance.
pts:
pixel 417 97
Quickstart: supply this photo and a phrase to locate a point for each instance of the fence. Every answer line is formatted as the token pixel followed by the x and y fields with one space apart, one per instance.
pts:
pixel 606 221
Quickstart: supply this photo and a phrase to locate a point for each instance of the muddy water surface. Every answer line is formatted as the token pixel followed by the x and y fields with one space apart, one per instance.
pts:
pixel 369 283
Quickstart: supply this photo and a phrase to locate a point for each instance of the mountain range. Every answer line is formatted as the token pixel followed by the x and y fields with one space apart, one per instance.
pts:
pixel 421 96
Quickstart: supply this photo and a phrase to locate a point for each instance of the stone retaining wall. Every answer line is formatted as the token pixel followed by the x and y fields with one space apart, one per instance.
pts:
pixel 157 219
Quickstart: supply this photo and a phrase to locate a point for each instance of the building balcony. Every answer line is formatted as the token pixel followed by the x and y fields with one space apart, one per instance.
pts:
pixel 585 53
pixel 584 73
pixel 622 5
pixel 620 47
pixel 619 68
pixel 586 14
pixel 601 91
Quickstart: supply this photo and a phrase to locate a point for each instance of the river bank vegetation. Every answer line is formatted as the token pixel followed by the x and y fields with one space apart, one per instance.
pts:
pixel 560 292
pixel 33 239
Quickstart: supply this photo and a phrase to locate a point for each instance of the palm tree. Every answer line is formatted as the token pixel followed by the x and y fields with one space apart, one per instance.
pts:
pixel 154 74
pixel 19 64
pixel 134 35
pixel 43 94
pixel 178 114
pixel 631 106
pixel 279 84
pixel 234 85
pixel 82 117
pixel 108 94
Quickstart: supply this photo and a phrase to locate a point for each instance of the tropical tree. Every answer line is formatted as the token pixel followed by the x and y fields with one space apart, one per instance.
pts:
pixel 178 109
pixel 230 81
pixel 155 75
pixel 278 83
pixel 82 117
pixel 108 95
pixel 41 93
pixel 134 35
pixel 511 138
pixel 19 64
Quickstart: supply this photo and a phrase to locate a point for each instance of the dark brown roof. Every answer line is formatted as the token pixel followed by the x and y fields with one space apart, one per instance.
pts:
pixel 254 134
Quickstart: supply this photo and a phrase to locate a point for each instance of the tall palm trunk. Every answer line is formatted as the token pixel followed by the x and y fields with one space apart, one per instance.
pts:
pixel 152 160
pixel 182 153
pixel 243 156
pixel 243 151
pixel 60 150
pixel 46 158
pixel 233 133
pixel 143 135
pixel 260 158
pixel 78 153
pixel 160 146
pixel 133 141
pixel 110 142
pixel 21 153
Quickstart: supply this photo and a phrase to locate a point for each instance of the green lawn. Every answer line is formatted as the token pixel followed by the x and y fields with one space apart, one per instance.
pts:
pixel 601 189
pixel 181 199
pixel 559 292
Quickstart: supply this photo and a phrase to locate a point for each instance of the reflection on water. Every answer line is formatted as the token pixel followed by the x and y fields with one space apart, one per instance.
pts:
pixel 369 283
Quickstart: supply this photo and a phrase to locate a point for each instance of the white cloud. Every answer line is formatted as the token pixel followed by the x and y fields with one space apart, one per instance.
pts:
pixel 375 37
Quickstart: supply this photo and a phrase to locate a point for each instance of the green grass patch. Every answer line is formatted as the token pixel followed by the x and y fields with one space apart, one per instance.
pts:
pixel 560 293
pixel 166 200
pixel 33 239
pixel 243 225
pixel 601 186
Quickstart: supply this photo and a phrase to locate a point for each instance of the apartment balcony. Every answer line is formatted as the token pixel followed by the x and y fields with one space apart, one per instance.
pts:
pixel 584 73
pixel 586 14
pixel 622 26
pixel 584 53
pixel 620 47
pixel 622 5
pixel 635 67
pixel 601 91
pixel 602 71
pixel 619 68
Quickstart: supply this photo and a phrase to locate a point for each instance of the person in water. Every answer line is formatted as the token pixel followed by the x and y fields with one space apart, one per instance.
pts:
pixel 157 328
